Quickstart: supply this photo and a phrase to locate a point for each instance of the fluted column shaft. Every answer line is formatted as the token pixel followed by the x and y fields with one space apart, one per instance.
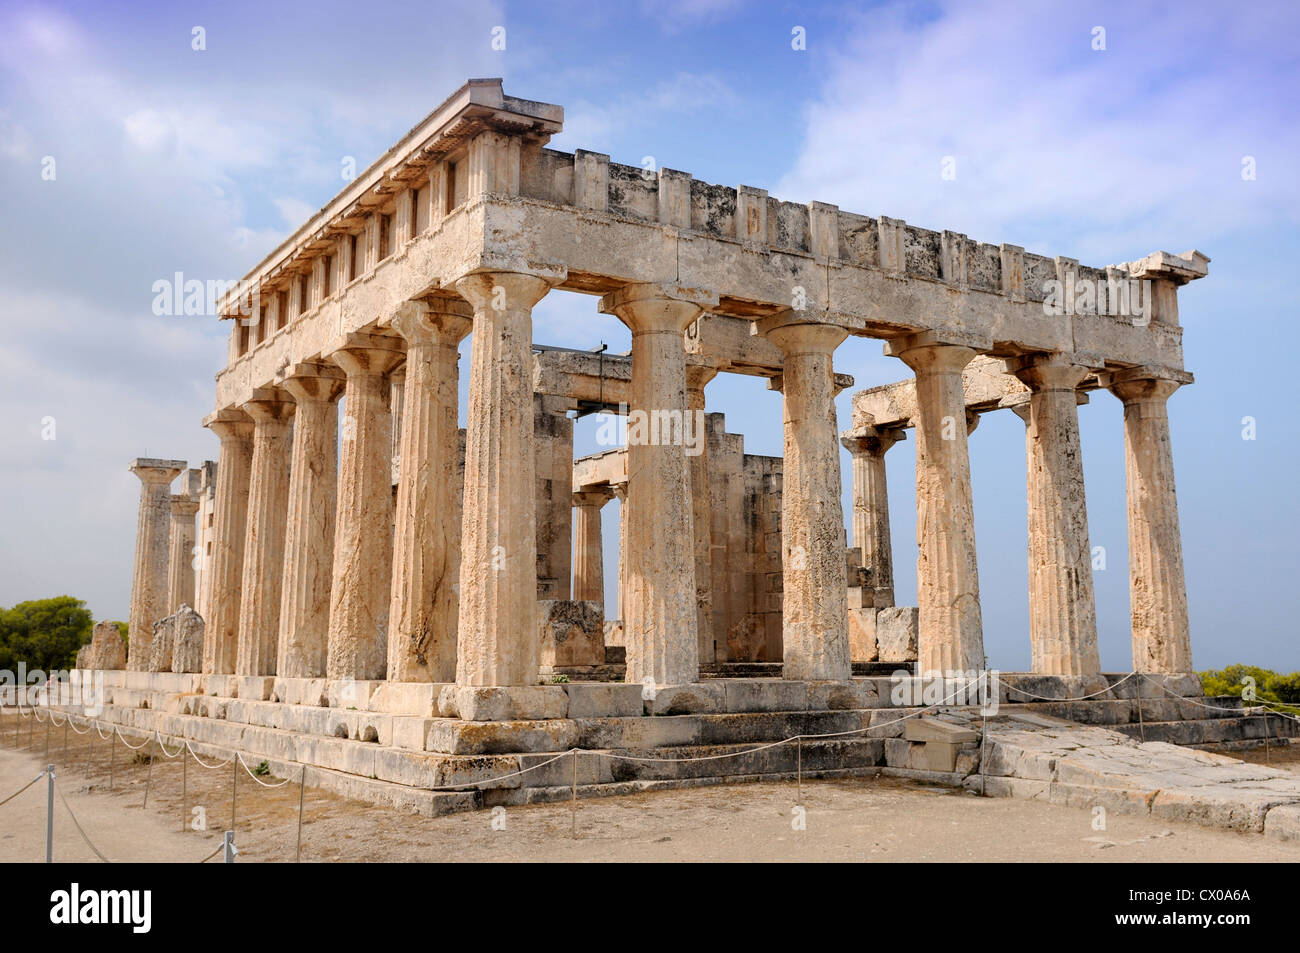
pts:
pixel 588 557
pixel 363 550
pixel 180 559
pixel 426 539
pixel 1157 587
pixel 1062 606
pixel 230 521
pixel 867 447
pixel 268 500
pixel 951 628
pixel 814 606
pixel 660 620
pixel 497 637
pixel 152 538
pixel 701 508
pixel 309 538
pixel 620 494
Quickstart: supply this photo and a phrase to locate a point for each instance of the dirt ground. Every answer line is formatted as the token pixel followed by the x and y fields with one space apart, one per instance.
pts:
pixel 850 820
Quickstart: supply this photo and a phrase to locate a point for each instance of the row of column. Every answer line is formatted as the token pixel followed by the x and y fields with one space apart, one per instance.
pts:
pixel 1063 625
pixel 390 609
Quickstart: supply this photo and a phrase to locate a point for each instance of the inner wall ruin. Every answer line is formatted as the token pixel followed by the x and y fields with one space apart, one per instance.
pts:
pixel 442 573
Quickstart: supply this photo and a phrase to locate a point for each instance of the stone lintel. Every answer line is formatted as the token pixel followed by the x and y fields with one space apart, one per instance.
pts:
pixel 1180 269
pixel 1145 372
pixel 896 347
pixel 152 470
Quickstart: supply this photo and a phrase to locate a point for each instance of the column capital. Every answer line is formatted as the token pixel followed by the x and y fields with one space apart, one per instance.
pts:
pixel 1052 372
pixel 647 307
pixel 150 470
pixel 268 405
pixel 596 496
pixel 438 321
pixel 699 375
pixel 1145 384
pixel 803 338
pixel 312 380
pixel 183 505
pixel 361 354
pixel 940 351
pixel 514 289
pixel 866 439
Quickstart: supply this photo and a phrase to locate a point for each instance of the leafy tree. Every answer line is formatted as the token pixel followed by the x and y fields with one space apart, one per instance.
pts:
pixel 1271 688
pixel 44 633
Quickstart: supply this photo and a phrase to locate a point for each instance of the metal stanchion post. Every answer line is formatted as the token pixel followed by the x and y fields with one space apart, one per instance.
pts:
pixel 49 816
pixel 234 778
pixel 148 778
pixel 185 767
pixel 228 848
pixel 302 791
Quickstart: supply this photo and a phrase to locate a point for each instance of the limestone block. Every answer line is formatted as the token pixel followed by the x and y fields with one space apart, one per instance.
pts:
pixel 842 695
pixel 686 699
pixel 301 691
pixel 766 694
pixel 511 703
pixel 1283 822
pixel 863 646
pixel 83 657
pixel 187 641
pixel 933 756
pixel 571 632
pixel 604 699
pixel 107 648
pixel 934 730
pixel 896 628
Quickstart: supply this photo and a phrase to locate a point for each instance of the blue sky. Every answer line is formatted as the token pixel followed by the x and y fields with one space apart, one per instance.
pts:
pixel 171 159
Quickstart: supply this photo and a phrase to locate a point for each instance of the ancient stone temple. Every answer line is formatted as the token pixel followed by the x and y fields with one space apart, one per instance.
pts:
pixel 359 554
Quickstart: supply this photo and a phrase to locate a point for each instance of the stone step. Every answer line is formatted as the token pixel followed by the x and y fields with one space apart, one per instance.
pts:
pixel 1217 730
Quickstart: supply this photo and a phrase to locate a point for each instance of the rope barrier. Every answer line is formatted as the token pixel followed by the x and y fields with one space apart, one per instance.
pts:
pixel 102 736
pixel 77 825
pixel 22 789
pixel 202 763
pixel 163 748
pixel 256 778
pixel 128 744
pixel 78 730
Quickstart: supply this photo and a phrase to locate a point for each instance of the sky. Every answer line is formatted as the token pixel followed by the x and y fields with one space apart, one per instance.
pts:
pixel 1098 131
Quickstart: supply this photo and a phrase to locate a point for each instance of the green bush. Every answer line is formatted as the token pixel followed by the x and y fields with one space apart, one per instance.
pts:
pixel 44 633
pixel 1271 688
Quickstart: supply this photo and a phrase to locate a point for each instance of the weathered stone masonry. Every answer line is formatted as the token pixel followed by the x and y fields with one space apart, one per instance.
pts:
pixel 461 229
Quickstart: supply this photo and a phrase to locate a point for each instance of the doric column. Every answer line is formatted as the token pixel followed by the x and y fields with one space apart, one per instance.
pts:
pixel 588 557
pixel 814 606
pixel 951 630
pixel 268 499
pixel 426 538
pixel 180 558
pixel 697 377
pixel 867 446
pixel 309 536
pixel 660 615
pixel 620 494
pixel 497 638
pixel 230 515
pixel 152 538
pixel 553 444
pixel 1157 590
pixel 363 551
pixel 1062 607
